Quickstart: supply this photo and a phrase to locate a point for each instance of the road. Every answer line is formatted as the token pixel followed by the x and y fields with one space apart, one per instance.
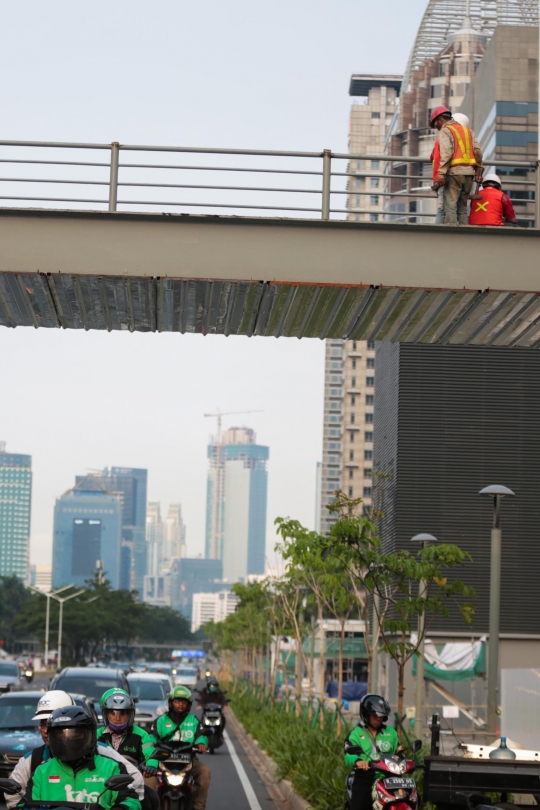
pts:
pixel 235 784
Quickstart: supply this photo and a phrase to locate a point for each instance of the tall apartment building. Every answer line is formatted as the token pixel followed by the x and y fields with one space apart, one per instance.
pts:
pixel 41 576
pixel 87 528
pixel 349 390
pixel 369 121
pixel 15 505
pixel 236 513
pixel 155 531
pixel 175 534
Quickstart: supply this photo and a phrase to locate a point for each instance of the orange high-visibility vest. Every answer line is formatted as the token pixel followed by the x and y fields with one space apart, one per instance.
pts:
pixel 463 146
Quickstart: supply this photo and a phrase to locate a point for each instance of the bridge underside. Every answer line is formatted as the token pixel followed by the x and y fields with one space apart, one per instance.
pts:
pixel 290 278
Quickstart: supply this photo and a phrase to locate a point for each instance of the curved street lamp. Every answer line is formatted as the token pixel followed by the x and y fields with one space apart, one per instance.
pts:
pixel 495 491
pixel 426 540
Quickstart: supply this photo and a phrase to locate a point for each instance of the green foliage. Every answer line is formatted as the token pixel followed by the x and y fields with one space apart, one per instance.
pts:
pixel 13 596
pixel 101 615
pixel 311 758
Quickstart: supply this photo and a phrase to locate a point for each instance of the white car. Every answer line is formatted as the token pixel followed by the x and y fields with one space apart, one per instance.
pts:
pixel 186 676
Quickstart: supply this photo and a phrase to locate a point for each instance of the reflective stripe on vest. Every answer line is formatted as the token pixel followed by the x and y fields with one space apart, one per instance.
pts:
pixel 463 146
pixel 488 210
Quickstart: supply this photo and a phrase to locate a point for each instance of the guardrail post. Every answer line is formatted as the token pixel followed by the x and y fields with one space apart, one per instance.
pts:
pixel 113 183
pixel 327 164
pixel 537 196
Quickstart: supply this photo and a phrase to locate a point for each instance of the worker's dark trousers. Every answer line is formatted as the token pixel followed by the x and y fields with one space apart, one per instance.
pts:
pixel 361 791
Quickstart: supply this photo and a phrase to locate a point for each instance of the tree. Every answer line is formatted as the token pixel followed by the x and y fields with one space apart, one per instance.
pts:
pixel 13 597
pixel 396 579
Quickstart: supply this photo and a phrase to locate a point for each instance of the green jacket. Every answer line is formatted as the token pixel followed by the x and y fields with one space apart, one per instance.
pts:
pixel 189 730
pixel 53 781
pixel 387 740
pixel 136 743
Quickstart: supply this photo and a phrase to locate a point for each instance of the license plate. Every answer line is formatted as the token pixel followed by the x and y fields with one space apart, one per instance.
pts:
pixel 212 714
pixel 180 758
pixel 395 782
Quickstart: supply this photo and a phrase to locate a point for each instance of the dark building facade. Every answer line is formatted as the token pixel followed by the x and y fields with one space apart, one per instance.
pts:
pixel 450 420
pixel 195 575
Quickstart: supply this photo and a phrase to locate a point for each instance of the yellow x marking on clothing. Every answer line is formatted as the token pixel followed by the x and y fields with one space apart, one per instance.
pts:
pixel 481 206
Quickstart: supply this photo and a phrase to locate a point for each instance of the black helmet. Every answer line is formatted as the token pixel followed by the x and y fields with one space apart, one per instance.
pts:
pixel 72 733
pixel 120 702
pixel 374 704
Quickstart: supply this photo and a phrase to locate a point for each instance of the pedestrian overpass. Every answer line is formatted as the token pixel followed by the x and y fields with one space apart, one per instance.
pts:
pixel 302 276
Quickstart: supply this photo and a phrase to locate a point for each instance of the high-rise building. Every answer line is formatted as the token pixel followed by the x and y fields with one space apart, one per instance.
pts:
pixel 374 106
pixel 87 528
pixel 349 389
pixel 236 518
pixel 194 575
pixel 212 607
pixel 175 534
pixel 41 576
pixel 451 420
pixel 157 589
pixel 15 505
pixel 130 484
pixel 155 531
pixel 502 104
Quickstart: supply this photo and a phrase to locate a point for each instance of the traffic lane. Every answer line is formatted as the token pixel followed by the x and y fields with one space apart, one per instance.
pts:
pixel 226 789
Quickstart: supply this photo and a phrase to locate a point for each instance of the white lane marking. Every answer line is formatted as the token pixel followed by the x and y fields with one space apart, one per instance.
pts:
pixel 242 775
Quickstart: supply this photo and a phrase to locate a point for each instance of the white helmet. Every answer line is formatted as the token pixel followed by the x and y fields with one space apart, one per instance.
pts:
pixel 461 118
pixel 56 699
pixel 492 178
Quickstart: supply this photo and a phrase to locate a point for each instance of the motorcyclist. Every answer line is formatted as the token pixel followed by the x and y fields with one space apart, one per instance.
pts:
pixel 78 767
pixel 121 733
pixel 25 767
pixel 178 724
pixel 372 736
pixel 213 694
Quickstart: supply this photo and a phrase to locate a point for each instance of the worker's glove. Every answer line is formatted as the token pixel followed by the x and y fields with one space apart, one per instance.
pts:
pixel 438 184
pixel 149 770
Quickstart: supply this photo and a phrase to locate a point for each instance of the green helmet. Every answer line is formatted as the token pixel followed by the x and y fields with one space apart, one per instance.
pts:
pixel 110 692
pixel 180 693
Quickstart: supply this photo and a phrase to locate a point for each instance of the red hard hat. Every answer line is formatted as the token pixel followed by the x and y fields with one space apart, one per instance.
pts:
pixel 436 112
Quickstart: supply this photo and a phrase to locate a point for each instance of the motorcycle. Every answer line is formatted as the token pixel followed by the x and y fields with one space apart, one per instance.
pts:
pixel 212 723
pixel 175 776
pixel 29 674
pixel 395 787
pixel 13 788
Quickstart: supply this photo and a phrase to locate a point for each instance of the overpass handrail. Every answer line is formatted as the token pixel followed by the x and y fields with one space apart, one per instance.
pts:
pixel 117 181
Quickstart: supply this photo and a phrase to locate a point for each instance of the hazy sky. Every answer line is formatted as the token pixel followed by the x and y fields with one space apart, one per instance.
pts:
pixel 261 75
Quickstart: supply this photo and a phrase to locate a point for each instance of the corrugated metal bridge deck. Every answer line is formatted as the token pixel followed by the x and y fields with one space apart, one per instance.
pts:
pixel 79 270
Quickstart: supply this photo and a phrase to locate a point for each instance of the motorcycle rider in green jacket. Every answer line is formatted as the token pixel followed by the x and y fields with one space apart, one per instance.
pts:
pixel 178 724
pixel 372 736
pixel 121 733
pixel 77 772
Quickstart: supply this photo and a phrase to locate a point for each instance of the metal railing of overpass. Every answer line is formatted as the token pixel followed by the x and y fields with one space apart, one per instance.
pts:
pixel 157 183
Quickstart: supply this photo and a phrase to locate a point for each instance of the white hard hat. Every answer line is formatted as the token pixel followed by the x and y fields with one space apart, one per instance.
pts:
pixel 56 699
pixel 462 119
pixel 491 178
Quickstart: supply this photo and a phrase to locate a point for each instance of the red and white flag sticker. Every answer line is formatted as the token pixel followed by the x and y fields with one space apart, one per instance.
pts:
pixel 54 779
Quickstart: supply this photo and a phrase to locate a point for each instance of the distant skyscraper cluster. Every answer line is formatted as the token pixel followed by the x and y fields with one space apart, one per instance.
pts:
pixel 165 544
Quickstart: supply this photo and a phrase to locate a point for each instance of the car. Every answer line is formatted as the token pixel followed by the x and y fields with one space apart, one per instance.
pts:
pixel 18 732
pixel 10 677
pixel 186 676
pixel 125 666
pixel 149 692
pixel 92 682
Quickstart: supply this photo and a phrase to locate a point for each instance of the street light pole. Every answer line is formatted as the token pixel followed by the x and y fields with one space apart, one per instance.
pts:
pixel 48 613
pixel 496 492
pixel 425 540
pixel 63 599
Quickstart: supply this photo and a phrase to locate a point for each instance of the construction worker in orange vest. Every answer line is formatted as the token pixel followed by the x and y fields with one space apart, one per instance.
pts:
pixel 461 163
pixel 435 158
pixel 493 205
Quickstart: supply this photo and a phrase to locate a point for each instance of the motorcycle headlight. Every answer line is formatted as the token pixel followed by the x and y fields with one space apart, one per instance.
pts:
pixel 394 767
pixel 217 721
pixel 175 779
pixel 206 721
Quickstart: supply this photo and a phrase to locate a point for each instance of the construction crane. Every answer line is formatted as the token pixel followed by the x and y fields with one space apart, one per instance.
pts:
pixel 219 476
